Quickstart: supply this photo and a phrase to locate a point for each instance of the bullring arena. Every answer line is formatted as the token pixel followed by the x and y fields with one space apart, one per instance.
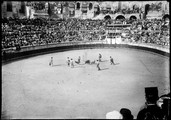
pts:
pixel 51 64
pixel 33 89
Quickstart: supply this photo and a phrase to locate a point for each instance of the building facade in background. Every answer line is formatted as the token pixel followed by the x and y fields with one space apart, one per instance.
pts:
pixel 86 9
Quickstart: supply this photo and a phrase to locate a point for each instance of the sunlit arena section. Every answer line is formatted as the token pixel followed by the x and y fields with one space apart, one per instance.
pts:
pixel 33 89
pixel 85 60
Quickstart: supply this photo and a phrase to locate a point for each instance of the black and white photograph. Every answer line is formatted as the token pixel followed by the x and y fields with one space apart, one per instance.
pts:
pixel 85 60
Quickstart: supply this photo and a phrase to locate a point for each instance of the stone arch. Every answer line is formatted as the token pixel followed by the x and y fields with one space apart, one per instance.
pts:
pixel 22 10
pixel 166 16
pixel 71 9
pixel 9 6
pixel 107 17
pixel 72 5
pixel 134 6
pixel 133 17
pixel 97 9
pixel 78 5
pixel 90 6
pixel 120 17
pixel 147 8
pixel 96 6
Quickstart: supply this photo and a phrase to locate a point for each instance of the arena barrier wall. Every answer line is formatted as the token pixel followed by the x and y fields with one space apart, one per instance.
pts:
pixel 26 52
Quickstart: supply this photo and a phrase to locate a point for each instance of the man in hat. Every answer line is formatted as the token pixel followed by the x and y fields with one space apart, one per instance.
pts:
pixel 72 63
pixel 79 60
pixel 151 95
pixel 150 111
pixel 111 61
pixel 98 65
pixel 51 62
pixel 100 57
pixel 68 61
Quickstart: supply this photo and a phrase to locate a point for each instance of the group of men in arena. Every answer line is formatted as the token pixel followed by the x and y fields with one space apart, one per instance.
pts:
pixel 70 62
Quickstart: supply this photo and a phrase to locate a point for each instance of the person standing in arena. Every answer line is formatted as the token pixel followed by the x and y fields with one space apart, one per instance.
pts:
pixel 111 61
pixel 68 61
pixel 100 57
pixel 98 65
pixel 79 60
pixel 72 63
pixel 51 62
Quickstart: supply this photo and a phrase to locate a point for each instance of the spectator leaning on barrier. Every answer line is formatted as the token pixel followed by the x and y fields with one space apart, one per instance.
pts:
pixel 164 104
pixel 126 113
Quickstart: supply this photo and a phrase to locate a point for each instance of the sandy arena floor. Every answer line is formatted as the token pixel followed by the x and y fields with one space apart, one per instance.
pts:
pixel 33 89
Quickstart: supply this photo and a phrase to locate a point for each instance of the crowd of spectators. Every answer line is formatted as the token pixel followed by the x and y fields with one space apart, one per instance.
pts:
pixel 35 32
pixel 151 31
pixel 154 108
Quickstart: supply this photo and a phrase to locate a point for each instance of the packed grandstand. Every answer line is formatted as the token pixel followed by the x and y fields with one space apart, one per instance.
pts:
pixel 39 26
pixel 42 31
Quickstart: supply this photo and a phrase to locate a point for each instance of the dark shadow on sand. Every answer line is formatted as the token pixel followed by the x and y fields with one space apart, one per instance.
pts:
pixel 81 64
pixel 104 61
pixel 78 67
pixel 104 69
pixel 116 63
pixel 58 65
